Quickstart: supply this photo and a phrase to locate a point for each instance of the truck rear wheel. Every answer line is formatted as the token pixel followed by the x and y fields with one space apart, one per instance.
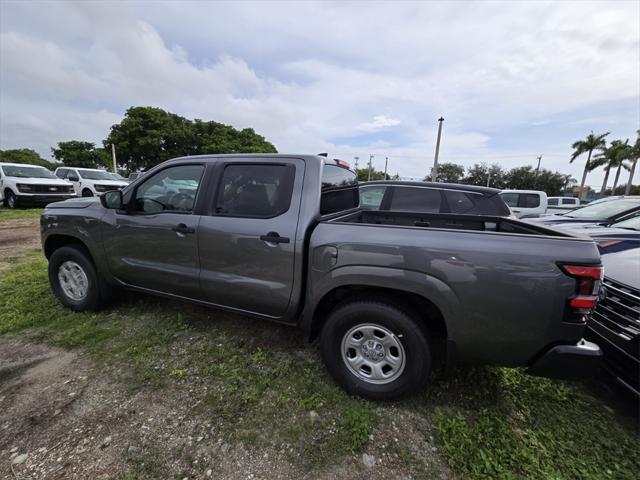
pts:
pixel 75 281
pixel 375 350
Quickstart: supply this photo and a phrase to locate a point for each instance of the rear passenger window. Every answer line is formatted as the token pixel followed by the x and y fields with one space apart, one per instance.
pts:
pixel 529 200
pixel 568 201
pixel 256 191
pixel 409 199
pixel 339 189
pixel 510 199
pixel 461 202
pixel 553 201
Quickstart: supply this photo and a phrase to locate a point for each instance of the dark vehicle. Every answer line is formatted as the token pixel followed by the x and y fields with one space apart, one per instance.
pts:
pixel 120 178
pixel 389 295
pixel 615 323
pixel 615 237
pixel 432 197
pixel 601 213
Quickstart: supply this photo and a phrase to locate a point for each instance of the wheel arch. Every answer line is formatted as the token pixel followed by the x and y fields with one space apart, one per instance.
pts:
pixel 419 306
pixel 56 241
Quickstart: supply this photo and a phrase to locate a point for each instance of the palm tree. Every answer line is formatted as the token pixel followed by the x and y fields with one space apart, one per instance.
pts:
pixel 588 145
pixel 635 154
pixel 613 157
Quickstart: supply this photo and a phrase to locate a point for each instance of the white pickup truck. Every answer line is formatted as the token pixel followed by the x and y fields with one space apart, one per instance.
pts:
pixel 90 182
pixel 23 184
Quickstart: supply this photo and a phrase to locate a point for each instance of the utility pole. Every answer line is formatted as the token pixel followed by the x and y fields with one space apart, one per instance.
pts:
pixel 489 178
pixel 386 160
pixel 434 170
pixel 538 167
pixel 113 157
pixel 370 159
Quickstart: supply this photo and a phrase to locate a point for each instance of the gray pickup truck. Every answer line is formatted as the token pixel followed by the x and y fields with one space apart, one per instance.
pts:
pixel 389 295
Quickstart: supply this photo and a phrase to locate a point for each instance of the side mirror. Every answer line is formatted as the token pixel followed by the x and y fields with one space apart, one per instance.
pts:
pixel 112 200
pixel 73 178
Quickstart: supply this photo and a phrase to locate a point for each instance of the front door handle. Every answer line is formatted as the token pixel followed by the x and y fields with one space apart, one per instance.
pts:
pixel 182 229
pixel 274 237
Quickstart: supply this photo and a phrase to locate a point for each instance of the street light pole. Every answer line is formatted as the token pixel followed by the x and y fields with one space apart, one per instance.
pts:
pixel 386 160
pixel 434 170
pixel 538 167
pixel 370 159
pixel 356 159
pixel 113 157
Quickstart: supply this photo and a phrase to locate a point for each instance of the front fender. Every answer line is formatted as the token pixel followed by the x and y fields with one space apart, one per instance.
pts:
pixel 81 228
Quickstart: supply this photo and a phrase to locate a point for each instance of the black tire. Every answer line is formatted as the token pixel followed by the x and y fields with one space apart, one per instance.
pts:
pixel 402 324
pixel 10 200
pixel 87 193
pixel 97 291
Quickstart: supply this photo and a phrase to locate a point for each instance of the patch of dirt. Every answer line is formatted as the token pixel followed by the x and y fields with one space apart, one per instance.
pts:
pixel 62 416
pixel 18 237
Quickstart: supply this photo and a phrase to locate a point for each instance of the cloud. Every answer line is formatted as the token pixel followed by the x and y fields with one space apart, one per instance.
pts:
pixel 320 80
pixel 378 123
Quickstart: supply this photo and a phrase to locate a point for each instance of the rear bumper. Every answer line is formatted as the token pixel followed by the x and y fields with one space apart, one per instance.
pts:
pixel 568 362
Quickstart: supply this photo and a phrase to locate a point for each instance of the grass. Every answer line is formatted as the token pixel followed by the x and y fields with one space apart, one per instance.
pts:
pixel 259 391
pixel 260 386
pixel 517 426
pixel 19 213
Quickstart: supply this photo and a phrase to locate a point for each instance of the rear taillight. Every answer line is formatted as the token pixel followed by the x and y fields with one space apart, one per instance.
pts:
pixel 588 280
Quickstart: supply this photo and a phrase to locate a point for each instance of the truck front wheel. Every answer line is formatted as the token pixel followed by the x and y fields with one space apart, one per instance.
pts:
pixel 376 350
pixel 75 280
pixel 10 200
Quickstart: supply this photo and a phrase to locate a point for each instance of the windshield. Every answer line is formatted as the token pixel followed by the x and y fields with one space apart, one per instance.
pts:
pixel 118 177
pixel 603 210
pixel 27 171
pixel 95 175
pixel 630 223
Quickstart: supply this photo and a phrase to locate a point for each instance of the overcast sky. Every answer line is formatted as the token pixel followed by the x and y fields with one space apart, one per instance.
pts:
pixel 512 79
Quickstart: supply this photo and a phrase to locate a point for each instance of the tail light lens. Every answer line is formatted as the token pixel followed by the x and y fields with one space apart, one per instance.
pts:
pixel 588 281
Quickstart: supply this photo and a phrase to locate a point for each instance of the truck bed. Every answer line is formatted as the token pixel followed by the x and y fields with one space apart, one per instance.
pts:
pixel 447 221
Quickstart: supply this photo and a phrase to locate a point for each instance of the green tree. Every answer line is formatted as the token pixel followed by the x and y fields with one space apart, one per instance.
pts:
pixel 363 175
pixel 591 143
pixel 25 155
pixel 553 183
pixel 525 178
pixel 613 157
pixel 448 172
pixel 521 178
pixel 635 154
pixel 483 174
pixel 75 153
pixel 148 136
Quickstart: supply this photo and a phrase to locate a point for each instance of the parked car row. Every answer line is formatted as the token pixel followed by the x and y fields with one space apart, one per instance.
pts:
pixel 33 185
pixel 22 184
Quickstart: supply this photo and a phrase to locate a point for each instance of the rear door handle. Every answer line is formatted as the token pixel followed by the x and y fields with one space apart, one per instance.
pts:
pixel 181 228
pixel 274 237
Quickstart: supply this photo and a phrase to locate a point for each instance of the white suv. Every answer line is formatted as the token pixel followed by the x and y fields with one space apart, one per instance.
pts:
pixel 89 182
pixel 525 203
pixel 23 184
